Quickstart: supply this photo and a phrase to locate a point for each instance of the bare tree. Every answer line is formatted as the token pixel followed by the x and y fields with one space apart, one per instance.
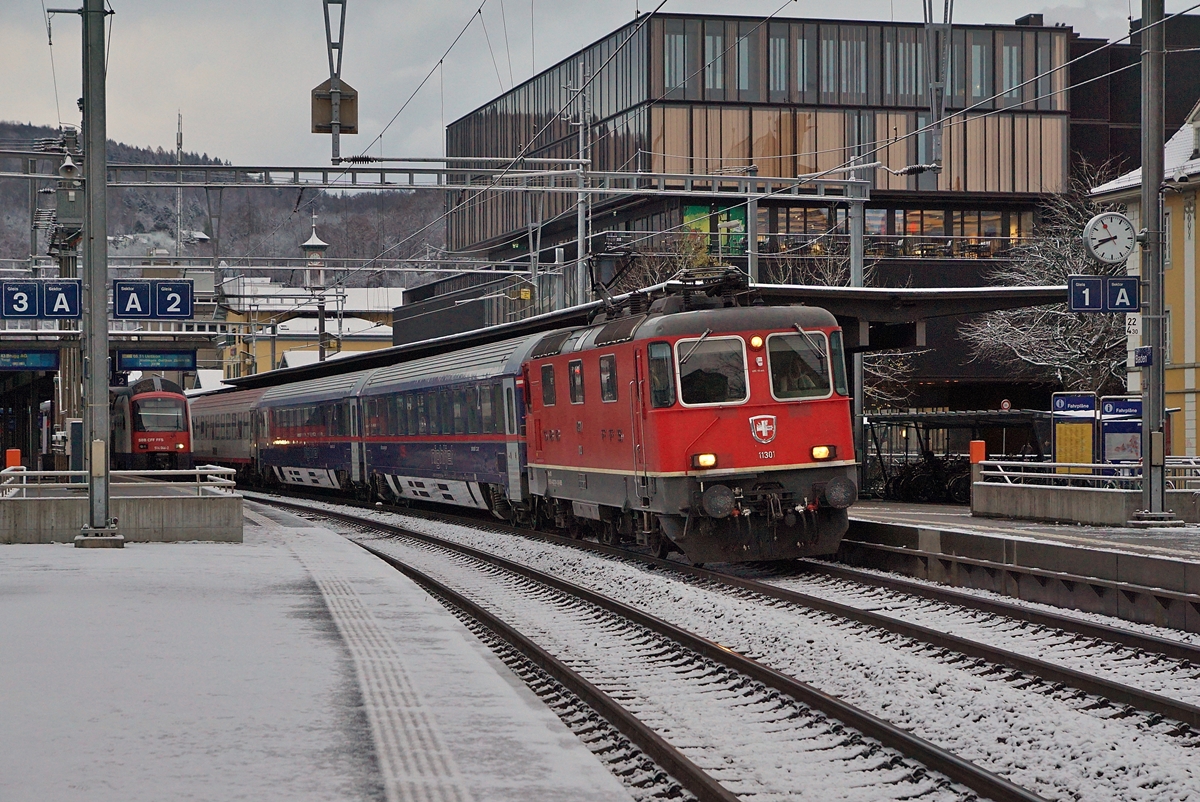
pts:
pixel 1082 351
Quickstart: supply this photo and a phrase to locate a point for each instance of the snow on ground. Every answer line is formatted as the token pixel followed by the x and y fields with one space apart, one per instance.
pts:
pixel 1149 672
pixel 217 672
pixel 1044 741
pixel 756 745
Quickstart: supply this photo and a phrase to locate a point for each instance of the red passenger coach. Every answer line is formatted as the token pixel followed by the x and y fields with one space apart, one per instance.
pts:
pixel 724 430
pixel 151 428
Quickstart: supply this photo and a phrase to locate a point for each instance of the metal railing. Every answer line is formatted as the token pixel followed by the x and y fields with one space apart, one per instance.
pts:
pixel 206 480
pixel 1182 473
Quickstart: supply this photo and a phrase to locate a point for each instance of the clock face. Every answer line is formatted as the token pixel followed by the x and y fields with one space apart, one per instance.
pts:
pixel 1110 238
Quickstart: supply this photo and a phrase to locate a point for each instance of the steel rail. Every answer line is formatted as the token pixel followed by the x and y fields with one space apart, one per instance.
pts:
pixel 675 763
pixel 978 779
pixel 1135 640
pixel 1113 691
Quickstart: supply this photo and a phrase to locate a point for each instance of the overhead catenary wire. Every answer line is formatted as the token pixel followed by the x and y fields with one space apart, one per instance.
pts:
pixel 491 52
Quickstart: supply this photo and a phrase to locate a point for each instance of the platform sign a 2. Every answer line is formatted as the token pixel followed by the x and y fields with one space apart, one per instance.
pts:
pixel 144 299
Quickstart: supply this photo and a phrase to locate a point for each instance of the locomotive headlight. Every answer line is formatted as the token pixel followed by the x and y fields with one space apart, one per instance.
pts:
pixel 704 460
pixel 824 452
pixel 179 446
pixel 756 342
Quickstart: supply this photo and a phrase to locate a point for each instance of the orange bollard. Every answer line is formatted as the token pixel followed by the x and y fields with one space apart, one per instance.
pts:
pixel 12 458
pixel 978 451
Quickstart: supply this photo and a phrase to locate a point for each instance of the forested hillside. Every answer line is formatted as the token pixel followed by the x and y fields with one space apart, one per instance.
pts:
pixel 254 222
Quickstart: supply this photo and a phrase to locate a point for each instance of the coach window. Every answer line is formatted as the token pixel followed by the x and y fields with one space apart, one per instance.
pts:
pixel 548 385
pixel 575 380
pixel 662 375
pixel 460 412
pixel 410 409
pixel 712 370
pixel 422 415
pixel 608 378
pixel 486 413
pixel 446 405
pixel 799 366
pixel 473 410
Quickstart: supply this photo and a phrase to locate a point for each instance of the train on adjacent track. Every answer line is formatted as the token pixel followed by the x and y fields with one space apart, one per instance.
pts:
pixel 700 421
pixel 150 426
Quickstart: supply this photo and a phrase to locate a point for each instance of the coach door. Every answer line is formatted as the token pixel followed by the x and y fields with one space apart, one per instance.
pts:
pixel 512 427
pixel 355 446
pixel 637 429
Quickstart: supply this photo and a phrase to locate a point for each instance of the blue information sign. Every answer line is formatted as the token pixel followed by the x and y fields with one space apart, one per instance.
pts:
pixel 156 360
pixel 1120 407
pixel 1086 293
pixel 1121 294
pixel 132 299
pixel 60 299
pixel 1074 404
pixel 13 359
pixel 1143 357
pixel 173 299
pixel 21 299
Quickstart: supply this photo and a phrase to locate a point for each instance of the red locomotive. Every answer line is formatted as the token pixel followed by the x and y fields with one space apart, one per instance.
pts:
pixel 151 429
pixel 723 430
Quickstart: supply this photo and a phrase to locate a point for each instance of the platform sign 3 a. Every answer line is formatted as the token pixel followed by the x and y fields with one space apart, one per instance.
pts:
pixel 152 300
pixel 28 299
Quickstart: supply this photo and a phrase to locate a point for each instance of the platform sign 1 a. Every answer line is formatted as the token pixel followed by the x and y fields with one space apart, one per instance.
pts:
pixel 1074 430
pixel 1120 429
pixel 1103 293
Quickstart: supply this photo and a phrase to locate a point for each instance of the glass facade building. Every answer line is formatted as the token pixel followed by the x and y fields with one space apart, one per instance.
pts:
pixel 705 94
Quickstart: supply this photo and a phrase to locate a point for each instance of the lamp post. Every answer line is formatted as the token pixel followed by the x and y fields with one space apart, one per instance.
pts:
pixel 314 251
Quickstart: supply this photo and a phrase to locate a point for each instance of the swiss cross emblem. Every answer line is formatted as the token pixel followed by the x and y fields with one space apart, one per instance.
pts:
pixel 763 428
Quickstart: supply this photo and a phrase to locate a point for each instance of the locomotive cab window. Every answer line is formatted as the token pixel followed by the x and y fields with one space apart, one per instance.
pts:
pixel 662 375
pixel 712 370
pixel 159 415
pixel 608 378
pixel 575 380
pixel 799 365
pixel 547 385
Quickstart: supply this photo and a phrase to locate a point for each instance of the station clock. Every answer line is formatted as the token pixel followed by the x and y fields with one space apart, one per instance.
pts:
pixel 1110 237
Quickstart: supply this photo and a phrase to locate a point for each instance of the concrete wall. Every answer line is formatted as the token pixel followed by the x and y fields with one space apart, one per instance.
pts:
pixel 1084 505
pixel 140 520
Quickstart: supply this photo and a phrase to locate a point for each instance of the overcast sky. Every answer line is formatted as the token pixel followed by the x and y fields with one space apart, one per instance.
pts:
pixel 240 71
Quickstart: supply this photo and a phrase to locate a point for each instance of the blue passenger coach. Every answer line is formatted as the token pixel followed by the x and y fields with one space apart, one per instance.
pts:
pixel 448 428
pixel 445 428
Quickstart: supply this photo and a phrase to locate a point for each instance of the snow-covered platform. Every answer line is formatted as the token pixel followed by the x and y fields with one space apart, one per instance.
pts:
pixel 293 666
pixel 1150 575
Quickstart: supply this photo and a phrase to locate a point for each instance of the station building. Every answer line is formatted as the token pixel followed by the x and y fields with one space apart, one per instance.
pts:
pixel 701 94
pixel 1181 166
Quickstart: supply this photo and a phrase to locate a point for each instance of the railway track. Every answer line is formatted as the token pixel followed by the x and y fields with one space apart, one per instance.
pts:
pixel 688 685
pixel 871 616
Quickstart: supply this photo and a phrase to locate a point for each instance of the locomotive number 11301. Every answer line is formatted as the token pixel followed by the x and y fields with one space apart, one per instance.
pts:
pixel 766 455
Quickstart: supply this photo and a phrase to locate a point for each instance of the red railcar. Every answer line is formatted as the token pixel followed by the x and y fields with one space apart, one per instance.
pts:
pixel 151 428
pixel 722 430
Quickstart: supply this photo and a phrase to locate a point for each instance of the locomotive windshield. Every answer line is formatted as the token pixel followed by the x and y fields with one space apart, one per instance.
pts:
pixel 159 415
pixel 799 365
pixel 712 371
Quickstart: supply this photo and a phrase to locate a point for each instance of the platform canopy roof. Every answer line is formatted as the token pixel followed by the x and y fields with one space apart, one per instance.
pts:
pixel 853 306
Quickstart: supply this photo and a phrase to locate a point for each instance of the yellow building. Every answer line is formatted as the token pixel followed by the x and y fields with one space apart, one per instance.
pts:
pixel 1182 171
pixel 282 325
